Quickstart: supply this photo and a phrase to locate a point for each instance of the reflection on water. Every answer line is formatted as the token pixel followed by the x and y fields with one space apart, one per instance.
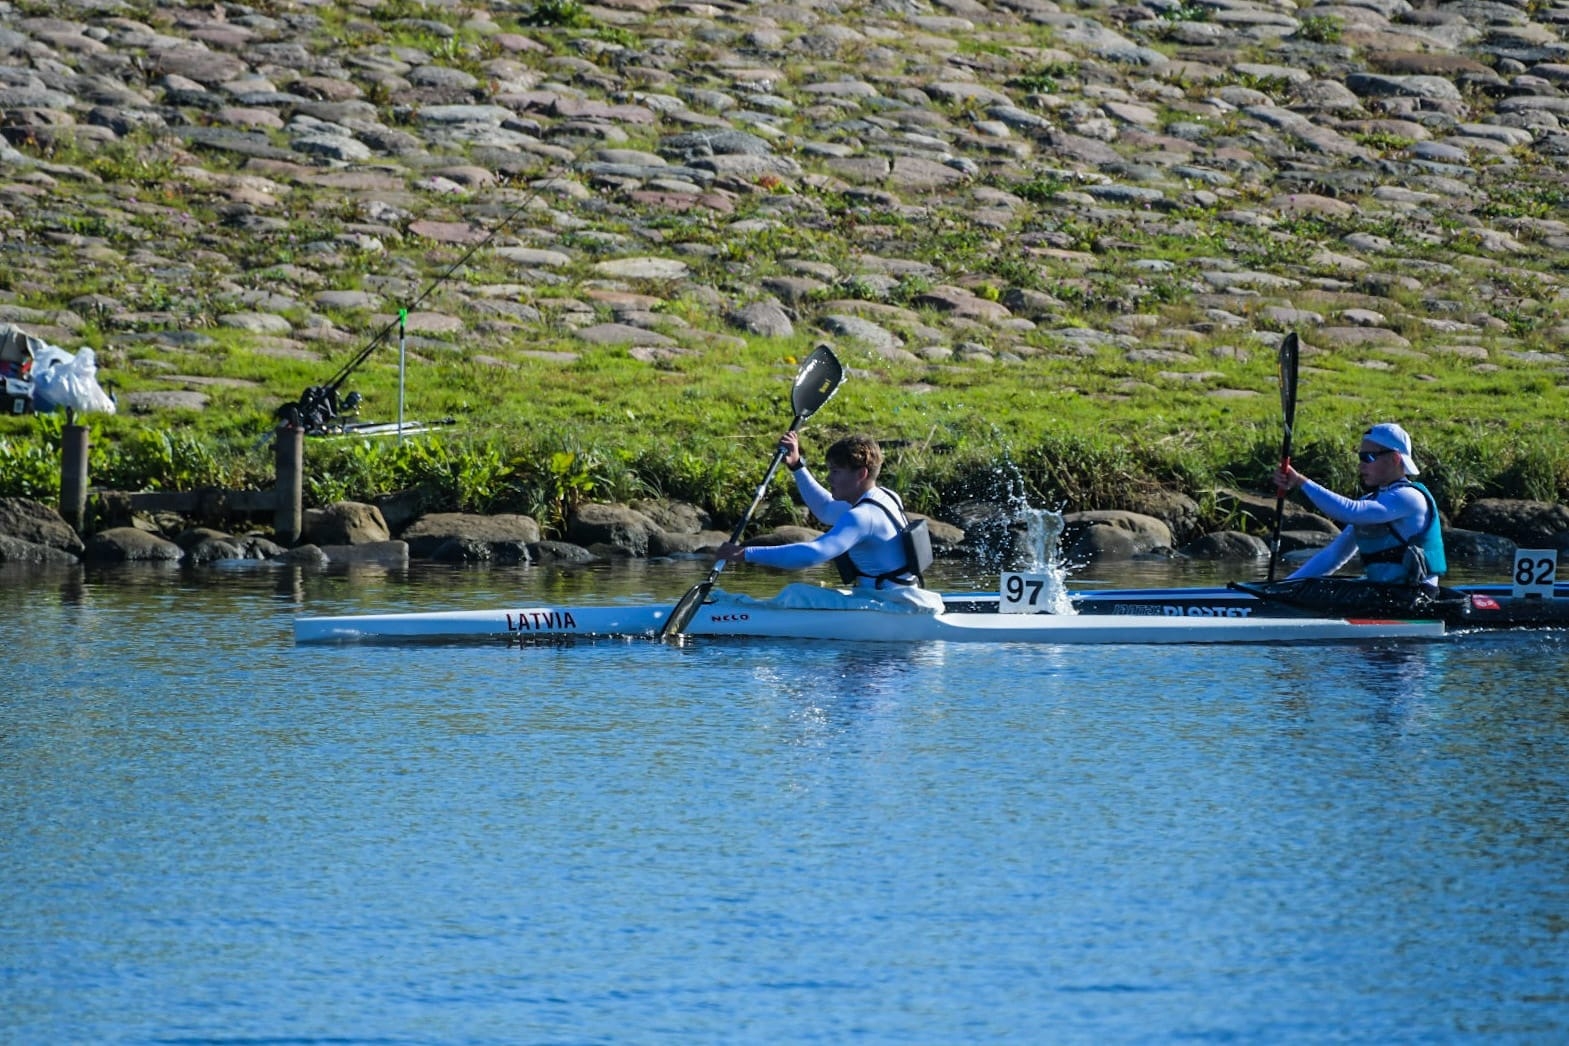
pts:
pixel 208 833
pixel 369 587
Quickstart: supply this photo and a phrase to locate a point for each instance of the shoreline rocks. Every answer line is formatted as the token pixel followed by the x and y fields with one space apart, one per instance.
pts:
pixel 350 533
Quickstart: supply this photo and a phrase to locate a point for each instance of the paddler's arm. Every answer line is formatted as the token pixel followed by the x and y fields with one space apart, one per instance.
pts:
pixel 1330 558
pixel 819 502
pixel 850 530
pixel 1387 507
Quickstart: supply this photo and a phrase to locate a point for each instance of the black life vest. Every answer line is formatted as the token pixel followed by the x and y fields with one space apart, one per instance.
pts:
pixel 914 538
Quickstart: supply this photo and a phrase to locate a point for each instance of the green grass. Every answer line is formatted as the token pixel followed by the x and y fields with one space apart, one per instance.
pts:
pixel 1090 433
pixel 1086 432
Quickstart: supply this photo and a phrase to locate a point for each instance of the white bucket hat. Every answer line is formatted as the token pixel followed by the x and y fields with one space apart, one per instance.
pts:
pixel 1393 437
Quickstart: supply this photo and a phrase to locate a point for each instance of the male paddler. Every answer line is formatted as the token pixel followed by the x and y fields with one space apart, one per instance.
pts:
pixel 868 524
pixel 1394 525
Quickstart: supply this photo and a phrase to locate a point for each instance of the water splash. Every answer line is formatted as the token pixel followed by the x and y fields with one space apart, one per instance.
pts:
pixel 1008 534
pixel 1042 533
pixel 1036 547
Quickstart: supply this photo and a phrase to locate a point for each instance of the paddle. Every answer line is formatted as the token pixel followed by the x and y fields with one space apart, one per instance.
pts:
pixel 815 384
pixel 1288 406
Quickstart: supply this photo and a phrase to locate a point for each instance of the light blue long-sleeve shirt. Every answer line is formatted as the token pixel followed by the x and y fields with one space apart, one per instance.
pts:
pixel 866 529
pixel 1401 505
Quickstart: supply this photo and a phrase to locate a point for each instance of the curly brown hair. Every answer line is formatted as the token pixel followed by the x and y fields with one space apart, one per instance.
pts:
pixel 856 452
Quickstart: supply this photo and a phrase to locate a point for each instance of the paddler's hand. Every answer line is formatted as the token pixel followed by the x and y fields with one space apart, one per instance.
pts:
pixel 730 552
pixel 1288 479
pixel 790 443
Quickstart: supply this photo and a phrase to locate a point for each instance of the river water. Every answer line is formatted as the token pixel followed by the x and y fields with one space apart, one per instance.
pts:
pixel 210 835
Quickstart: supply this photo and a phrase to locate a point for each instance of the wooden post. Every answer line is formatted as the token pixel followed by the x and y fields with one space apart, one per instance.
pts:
pixel 73 472
pixel 289 499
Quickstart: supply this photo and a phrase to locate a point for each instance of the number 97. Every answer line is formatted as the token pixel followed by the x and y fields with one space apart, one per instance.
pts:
pixel 1017 588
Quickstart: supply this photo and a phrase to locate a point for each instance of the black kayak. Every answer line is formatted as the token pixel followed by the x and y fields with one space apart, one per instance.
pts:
pixel 1459 607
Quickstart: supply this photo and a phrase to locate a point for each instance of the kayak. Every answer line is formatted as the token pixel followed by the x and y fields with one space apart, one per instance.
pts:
pixel 1313 609
pixel 756 619
pixel 1322 609
pixel 1484 606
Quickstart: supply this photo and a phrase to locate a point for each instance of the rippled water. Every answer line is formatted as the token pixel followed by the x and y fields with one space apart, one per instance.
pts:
pixel 210 835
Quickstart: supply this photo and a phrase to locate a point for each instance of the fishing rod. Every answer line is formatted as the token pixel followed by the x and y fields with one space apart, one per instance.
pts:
pixel 318 409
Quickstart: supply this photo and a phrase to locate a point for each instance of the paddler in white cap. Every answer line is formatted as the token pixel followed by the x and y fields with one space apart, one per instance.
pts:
pixel 1394 525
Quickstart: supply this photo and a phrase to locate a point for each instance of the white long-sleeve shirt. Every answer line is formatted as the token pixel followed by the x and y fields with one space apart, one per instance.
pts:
pixel 865 528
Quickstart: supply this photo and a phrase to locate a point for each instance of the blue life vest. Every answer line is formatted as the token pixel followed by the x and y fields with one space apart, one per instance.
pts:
pixel 1390 558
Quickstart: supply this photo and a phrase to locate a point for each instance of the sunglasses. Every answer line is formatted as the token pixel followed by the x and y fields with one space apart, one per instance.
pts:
pixel 1370 456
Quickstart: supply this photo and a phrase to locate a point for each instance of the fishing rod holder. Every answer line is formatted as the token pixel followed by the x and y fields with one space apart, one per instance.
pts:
pixel 318 411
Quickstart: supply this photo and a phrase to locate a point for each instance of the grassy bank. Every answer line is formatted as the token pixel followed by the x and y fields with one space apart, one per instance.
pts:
pixel 1082 432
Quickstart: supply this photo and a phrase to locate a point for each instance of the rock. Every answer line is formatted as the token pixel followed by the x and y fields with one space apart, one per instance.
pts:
pixel 946 538
pixel 403 507
pixel 344 523
pixel 256 322
pixel 130 545
pixel 623 334
pixel 765 318
pixel 872 335
pixel 1103 542
pixel 665 543
pixel 428 532
pixel 204 545
pixel 254 546
pixel 467 550
pixel 1226 545
pixel 15 550
pixel 643 268
pixel 1111 534
pixel 696 145
pixel 793 290
pixel 1529 524
pixel 303 556
pixel 618 526
pixel 38 524
pixel 675 517
pixel 1148 528
pixel 560 553
pixel 1179 512
pixel 1473 546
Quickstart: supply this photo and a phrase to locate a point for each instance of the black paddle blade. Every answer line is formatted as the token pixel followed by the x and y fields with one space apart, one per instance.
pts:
pixel 815 383
pixel 684 611
pixel 1289 350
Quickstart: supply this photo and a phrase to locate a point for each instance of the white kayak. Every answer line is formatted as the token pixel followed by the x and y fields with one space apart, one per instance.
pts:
pixel 853 625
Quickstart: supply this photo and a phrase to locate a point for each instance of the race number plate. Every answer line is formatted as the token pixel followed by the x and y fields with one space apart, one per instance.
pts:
pixel 1536 569
pixel 1024 593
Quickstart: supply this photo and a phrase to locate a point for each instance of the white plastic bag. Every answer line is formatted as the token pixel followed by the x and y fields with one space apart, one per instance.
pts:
pixel 65 382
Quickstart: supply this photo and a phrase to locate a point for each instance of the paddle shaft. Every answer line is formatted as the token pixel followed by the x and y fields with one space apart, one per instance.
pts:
pixel 815 384
pixel 1280 505
pixel 757 499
